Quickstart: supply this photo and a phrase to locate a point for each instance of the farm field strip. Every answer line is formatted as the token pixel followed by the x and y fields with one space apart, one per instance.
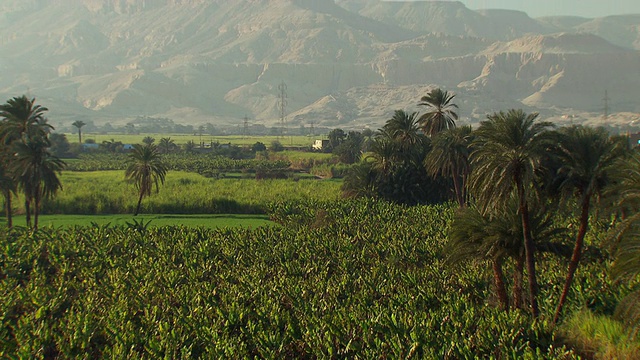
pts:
pixel 106 192
pixel 209 221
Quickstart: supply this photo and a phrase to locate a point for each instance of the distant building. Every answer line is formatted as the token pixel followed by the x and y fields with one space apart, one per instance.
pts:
pixel 90 146
pixel 320 144
pixel 127 147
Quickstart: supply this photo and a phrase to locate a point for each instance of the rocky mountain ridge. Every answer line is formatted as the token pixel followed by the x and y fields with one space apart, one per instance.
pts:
pixel 348 63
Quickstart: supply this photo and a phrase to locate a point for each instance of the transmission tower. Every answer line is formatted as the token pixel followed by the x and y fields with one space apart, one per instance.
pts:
pixel 282 104
pixel 245 131
pixel 312 131
pixel 606 106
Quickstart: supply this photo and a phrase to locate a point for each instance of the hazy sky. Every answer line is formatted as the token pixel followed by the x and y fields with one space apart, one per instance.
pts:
pixel 538 8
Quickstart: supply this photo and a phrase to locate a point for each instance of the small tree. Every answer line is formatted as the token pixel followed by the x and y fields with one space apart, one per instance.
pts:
pixel 276 146
pixel 148 140
pixel 258 147
pixel 79 124
pixel 145 168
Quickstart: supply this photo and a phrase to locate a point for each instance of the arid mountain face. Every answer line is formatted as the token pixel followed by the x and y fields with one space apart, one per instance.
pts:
pixel 348 63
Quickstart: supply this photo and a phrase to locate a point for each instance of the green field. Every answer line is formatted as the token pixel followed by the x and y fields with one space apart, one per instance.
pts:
pixel 354 279
pixel 179 139
pixel 154 220
pixel 107 192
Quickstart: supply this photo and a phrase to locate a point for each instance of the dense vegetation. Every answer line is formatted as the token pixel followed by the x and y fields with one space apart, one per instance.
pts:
pixel 107 192
pixel 515 268
pixel 358 279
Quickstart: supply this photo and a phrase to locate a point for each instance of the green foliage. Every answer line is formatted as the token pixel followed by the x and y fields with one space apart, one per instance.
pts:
pixel 106 192
pixel 597 336
pixel 354 279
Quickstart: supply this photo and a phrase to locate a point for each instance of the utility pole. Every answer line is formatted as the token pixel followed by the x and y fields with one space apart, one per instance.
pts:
pixel 282 104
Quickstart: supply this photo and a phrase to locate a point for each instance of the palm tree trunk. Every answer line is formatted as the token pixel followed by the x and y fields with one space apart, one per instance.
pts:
pixel 529 252
pixel 27 208
pixel 458 189
pixel 517 282
pixel 36 211
pixel 139 202
pixel 577 254
pixel 79 135
pixel 7 208
pixel 501 289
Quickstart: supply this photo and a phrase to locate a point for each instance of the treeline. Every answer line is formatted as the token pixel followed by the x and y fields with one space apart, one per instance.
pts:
pixel 508 177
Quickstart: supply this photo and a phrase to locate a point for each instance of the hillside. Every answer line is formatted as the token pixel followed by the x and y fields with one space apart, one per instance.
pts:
pixel 348 63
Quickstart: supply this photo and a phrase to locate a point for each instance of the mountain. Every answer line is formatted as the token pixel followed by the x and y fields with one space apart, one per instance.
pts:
pixel 345 63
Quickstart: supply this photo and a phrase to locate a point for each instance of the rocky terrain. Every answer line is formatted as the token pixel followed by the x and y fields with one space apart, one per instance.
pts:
pixel 345 63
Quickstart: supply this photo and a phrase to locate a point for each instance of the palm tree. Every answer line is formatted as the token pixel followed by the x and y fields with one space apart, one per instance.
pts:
pixel 496 237
pixel 22 119
pixel 7 185
pixel 626 266
pixel 166 145
pixel 79 124
pixel 37 173
pixel 470 237
pixel 587 157
pixel 148 140
pixel 404 128
pixel 360 181
pixel 508 151
pixel 23 123
pixel 449 156
pixel 145 168
pixel 441 112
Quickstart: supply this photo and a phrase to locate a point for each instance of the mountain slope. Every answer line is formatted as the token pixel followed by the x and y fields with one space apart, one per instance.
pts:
pixel 348 63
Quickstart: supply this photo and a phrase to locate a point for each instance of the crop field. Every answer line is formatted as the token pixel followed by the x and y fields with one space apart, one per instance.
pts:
pixel 356 279
pixel 155 220
pixel 107 192
pixel 179 139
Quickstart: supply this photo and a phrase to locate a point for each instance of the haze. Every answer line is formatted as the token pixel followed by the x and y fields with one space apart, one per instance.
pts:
pixel 348 63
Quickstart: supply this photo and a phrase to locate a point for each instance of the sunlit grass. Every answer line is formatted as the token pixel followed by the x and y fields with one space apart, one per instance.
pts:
pixel 107 192
pixel 600 337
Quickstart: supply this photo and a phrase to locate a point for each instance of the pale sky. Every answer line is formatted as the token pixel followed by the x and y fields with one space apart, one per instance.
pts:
pixel 538 8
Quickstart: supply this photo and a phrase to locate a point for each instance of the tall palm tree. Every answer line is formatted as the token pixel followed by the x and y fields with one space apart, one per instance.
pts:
pixel 450 156
pixel 23 123
pixel 404 128
pixel 508 150
pixel 626 265
pixel 441 112
pixel 470 237
pixel 79 124
pixel 497 237
pixel 145 168
pixel 7 184
pixel 22 119
pixel 587 157
pixel 37 173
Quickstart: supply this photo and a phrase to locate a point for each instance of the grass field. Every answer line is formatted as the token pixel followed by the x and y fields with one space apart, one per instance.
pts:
pixel 205 221
pixel 298 141
pixel 107 192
